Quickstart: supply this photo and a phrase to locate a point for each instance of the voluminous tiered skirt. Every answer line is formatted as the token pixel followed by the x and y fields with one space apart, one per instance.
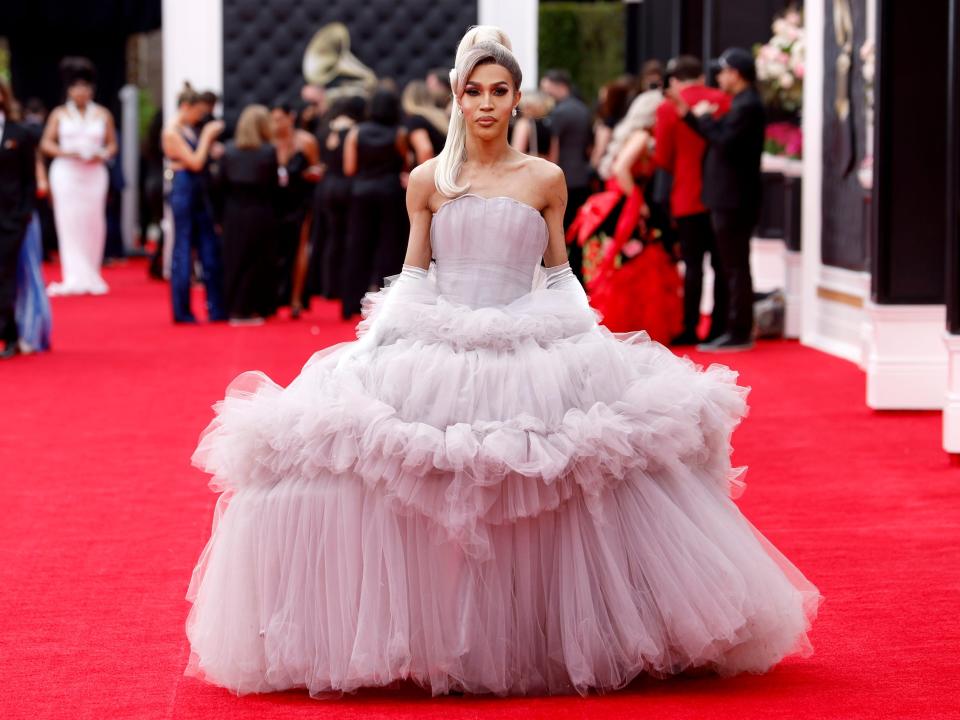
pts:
pixel 508 500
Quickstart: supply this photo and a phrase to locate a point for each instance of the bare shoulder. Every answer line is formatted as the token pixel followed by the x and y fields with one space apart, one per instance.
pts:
pixel 51 128
pixel 421 186
pixel 545 171
pixel 305 138
pixel 547 175
pixel 422 176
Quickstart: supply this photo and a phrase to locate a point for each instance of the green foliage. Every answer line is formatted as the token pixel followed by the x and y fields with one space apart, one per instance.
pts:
pixel 4 62
pixel 586 39
pixel 147 109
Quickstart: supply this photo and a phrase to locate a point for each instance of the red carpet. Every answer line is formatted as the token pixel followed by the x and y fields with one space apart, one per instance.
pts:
pixel 102 519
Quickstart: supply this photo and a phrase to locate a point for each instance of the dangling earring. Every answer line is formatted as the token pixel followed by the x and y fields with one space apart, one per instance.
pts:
pixel 459 110
pixel 514 110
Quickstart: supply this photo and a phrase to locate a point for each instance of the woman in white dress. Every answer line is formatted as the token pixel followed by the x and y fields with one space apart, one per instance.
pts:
pixel 487 492
pixel 80 137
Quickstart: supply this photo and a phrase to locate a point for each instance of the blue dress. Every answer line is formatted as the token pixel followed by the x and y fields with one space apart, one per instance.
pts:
pixel 32 307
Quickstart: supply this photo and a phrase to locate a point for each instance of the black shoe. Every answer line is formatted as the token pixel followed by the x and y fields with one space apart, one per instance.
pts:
pixel 190 320
pixel 726 343
pixel 9 350
pixel 685 338
pixel 712 336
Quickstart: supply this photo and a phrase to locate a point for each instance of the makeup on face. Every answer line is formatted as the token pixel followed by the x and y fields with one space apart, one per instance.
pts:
pixel 488 97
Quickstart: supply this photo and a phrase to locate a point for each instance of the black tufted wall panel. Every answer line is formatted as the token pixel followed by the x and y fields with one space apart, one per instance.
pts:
pixel 264 40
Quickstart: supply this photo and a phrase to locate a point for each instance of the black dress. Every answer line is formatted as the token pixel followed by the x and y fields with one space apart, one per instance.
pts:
pixel 249 181
pixel 331 213
pixel 378 224
pixel 293 199
pixel 418 122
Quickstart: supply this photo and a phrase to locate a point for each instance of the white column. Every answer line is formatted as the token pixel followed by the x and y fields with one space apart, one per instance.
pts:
pixel 951 405
pixel 192 48
pixel 192 52
pixel 904 358
pixel 130 156
pixel 813 18
pixel 519 19
pixel 833 316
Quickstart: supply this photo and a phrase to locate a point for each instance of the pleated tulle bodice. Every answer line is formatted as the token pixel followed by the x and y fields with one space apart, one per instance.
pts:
pixel 487 250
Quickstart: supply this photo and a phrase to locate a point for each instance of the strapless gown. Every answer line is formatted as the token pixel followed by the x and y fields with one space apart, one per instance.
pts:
pixel 486 492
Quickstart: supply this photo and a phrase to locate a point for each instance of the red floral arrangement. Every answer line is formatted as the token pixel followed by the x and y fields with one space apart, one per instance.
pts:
pixel 784 138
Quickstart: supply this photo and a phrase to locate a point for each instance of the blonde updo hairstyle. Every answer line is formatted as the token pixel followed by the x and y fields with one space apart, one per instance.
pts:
pixel 481 45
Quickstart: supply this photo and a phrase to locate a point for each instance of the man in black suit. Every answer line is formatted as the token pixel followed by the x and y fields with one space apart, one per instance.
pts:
pixel 571 130
pixel 732 185
pixel 18 185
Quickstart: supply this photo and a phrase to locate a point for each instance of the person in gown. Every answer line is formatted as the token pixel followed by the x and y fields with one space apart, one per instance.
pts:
pixel 80 138
pixel 487 492
pixel 632 279
pixel 249 182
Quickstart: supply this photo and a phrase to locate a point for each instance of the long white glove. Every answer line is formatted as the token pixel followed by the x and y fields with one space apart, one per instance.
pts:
pixel 561 276
pixel 412 271
pixel 562 279
pixel 370 339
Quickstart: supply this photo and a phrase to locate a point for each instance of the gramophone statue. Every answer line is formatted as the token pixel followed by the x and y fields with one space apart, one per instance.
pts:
pixel 328 63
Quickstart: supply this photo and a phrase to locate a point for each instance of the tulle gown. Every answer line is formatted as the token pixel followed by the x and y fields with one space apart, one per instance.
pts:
pixel 487 492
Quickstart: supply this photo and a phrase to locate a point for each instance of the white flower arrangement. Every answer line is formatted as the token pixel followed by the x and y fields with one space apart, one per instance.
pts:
pixel 781 63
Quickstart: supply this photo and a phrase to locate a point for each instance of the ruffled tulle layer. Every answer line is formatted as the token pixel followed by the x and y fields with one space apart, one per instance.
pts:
pixel 506 500
pixel 318 583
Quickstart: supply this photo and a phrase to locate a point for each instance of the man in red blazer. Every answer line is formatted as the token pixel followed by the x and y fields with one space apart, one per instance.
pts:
pixel 679 150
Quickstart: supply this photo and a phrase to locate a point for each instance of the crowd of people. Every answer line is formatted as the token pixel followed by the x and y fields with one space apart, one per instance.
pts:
pixel 308 198
pixel 301 201
pixel 678 164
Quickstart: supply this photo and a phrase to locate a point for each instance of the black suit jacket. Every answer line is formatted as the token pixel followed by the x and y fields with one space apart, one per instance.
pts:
pixel 731 165
pixel 18 179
